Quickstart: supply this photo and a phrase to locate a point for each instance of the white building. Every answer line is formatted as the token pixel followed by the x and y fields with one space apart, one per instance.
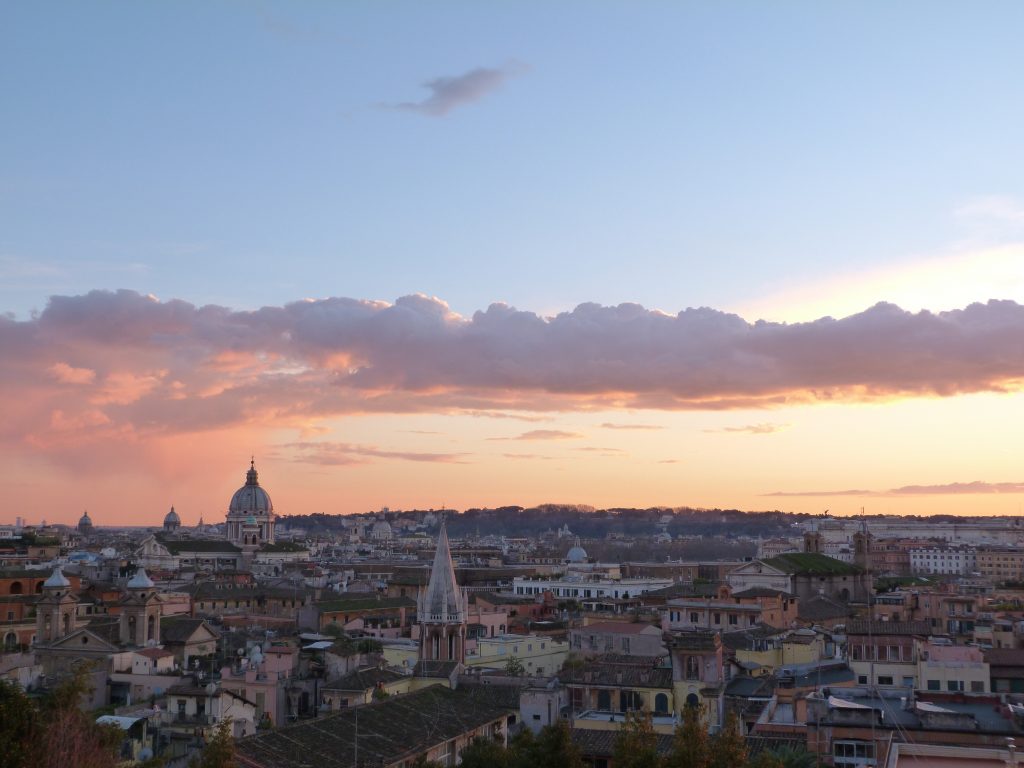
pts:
pixel 942 559
pixel 582 586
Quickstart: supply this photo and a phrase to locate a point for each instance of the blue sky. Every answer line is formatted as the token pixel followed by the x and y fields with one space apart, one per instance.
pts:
pixel 672 154
pixel 779 160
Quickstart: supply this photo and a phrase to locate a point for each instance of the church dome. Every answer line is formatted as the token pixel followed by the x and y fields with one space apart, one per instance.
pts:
pixel 57 580
pixel 85 521
pixel 251 499
pixel 140 580
pixel 577 554
pixel 171 518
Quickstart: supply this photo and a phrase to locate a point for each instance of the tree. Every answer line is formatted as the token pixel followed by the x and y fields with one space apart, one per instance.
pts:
pixel 554 747
pixel 788 757
pixel 219 751
pixel 523 749
pixel 636 745
pixel 691 747
pixel 485 753
pixel 70 736
pixel 729 746
pixel 766 759
pixel 19 725
pixel 514 667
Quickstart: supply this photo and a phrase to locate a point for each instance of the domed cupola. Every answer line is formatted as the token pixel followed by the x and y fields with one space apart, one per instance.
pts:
pixel 85 523
pixel 171 521
pixel 251 498
pixel 577 554
pixel 250 519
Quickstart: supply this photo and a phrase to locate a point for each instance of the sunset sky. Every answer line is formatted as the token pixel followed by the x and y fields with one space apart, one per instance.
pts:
pixel 722 254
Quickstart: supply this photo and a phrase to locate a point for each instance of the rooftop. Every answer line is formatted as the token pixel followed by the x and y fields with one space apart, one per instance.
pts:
pixel 811 563
pixel 388 731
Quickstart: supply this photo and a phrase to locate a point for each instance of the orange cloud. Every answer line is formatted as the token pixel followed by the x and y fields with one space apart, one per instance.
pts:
pixel 66 374
pixel 123 364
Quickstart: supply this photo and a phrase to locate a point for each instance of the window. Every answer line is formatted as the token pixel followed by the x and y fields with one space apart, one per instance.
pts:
pixel 908 682
pixel 733 618
pixel 862 679
pixel 885 680
pixel 692 667
pixel 576 696
pixel 954 685
pixel 718 618
pixel 694 617
pixel 977 686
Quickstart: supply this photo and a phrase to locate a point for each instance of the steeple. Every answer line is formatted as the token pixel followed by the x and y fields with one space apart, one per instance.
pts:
pixel 252 477
pixel 443 602
pixel 442 610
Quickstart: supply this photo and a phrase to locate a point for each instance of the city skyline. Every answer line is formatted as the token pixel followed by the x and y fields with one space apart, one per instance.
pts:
pixel 456 256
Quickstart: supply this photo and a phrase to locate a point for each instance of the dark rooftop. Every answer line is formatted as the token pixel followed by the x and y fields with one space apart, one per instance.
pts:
pixel 865 627
pixel 389 731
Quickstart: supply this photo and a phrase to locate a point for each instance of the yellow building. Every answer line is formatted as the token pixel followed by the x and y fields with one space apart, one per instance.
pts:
pixel 766 655
pixel 538 655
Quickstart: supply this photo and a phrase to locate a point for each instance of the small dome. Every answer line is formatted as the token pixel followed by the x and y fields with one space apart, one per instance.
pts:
pixel 381 530
pixel 577 554
pixel 251 498
pixel 57 580
pixel 140 580
pixel 84 520
pixel 172 517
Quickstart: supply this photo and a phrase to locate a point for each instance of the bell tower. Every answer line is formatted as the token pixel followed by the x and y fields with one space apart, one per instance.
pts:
pixel 140 611
pixel 55 612
pixel 442 609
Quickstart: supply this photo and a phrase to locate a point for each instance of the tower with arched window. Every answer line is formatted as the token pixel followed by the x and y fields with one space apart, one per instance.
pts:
pixel 140 611
pixel 56 610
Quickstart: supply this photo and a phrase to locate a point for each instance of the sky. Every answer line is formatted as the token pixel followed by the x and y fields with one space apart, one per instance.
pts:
pixel 714 254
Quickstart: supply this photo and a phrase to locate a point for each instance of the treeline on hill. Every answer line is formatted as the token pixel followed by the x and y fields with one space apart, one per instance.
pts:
pixel 584 521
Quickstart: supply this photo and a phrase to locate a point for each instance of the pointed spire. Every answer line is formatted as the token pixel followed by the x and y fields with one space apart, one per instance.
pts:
pixel 443 602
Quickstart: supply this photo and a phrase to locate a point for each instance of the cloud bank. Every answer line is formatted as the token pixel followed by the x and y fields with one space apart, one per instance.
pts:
pixel 122 365
pixel 943 489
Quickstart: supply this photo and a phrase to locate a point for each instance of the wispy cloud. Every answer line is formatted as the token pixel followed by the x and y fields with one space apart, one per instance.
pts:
pixel 764 428
pixel 543 434
pixel 610 425
pixel 341 454
pixel 448 93
pixel 858 492
pixel 976 487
